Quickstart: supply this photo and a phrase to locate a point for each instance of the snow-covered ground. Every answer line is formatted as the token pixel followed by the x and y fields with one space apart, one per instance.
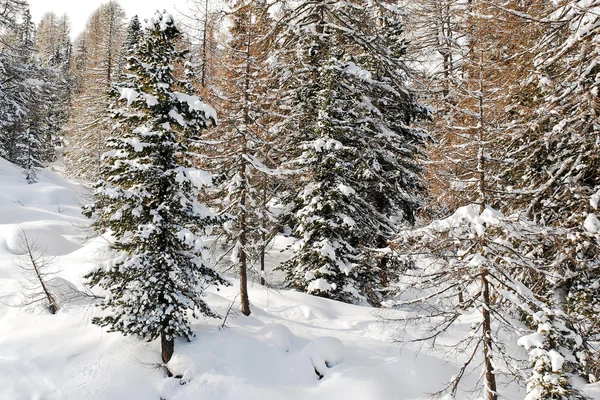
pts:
pixel 272 354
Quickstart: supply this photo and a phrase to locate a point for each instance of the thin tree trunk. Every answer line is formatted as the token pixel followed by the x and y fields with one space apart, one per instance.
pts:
pixel 244 283
pixel 243 227
pixel 242 252
pixel 490 377
pixel 204 46
pixel 263 235
pixel 167 347
pixel 52 306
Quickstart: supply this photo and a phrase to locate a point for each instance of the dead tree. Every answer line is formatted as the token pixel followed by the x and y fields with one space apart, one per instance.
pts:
pixel 35 265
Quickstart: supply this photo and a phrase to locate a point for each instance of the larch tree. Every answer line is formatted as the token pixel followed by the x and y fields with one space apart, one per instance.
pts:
pixel 87 130
pixel 203 28
pixel 148 199
pixel 473 262
pixel 556 163
pixel 242 137
pixel 482 95
pixel 132 37
pixel 52 39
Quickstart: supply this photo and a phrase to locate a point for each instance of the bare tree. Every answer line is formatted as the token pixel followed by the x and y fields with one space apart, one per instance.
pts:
pixel 35 265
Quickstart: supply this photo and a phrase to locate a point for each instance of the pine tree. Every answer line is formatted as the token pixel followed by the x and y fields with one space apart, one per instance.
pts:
pixel 350 114
pixel 148 201
pixel 550 348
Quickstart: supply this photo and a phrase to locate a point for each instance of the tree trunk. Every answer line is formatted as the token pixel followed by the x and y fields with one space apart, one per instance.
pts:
pixel 263 236
pixel 244 285
pixel 242 253
pixel 167 347
pixel 490 377
pixel 204 47
pixel 243 173
pixel 262 264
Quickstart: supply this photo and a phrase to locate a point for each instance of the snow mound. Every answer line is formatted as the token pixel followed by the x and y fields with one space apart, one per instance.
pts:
pixel 278 335
pixel 49 211
pixel 51 238
pixel 325 353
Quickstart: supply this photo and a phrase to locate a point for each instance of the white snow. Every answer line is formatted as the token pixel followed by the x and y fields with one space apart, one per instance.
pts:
pixel 325 353
pixel 533 340
pixel 128 94
pixel 592 224
pixel 151 100
pixel 177 117
pixel 345 190
pixel 320 285
pixel 326 144
pixel 195 103
pixel 270 355
pixel 556 360
pixel 362 73
pixel 594 199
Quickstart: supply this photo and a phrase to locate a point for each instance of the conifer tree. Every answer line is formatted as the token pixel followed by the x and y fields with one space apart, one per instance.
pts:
pixel 30 148
pixel 132 36
pixel 474 261
pixel 483 96
pixel 555 164
pixel 550 348
pixel 148 200
pixel 87 130
pixel 205 57
pixel 350 114
pixel 241 159
pixel 31 95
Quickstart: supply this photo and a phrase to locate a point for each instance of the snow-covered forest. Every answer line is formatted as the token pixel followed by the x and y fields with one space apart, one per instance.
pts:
pixel 301 199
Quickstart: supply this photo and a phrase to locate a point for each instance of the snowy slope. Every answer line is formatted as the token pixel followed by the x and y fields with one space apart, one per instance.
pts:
pixel 270 355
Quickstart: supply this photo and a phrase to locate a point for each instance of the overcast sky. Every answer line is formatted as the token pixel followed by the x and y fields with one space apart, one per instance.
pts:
pixel 79 10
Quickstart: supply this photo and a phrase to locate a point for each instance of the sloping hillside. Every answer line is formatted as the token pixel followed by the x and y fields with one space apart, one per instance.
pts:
pixel 272 354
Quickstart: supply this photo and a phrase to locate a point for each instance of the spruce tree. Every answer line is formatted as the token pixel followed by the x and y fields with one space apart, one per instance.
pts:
pixel 148 201
pixel 30 98
pixel 349 115
pixel 132 36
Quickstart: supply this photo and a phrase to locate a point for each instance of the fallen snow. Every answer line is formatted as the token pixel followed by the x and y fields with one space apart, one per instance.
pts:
pixel 591 224
pixel 270 355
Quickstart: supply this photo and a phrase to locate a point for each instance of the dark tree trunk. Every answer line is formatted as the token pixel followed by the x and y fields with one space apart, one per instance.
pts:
pixel 243 226
pixel 490 377
pixel 167 347
pixel 262 264
pixel 263 236
pixel 53 307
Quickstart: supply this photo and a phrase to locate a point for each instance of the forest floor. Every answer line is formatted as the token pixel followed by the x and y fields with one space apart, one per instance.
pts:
pixel 271 354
